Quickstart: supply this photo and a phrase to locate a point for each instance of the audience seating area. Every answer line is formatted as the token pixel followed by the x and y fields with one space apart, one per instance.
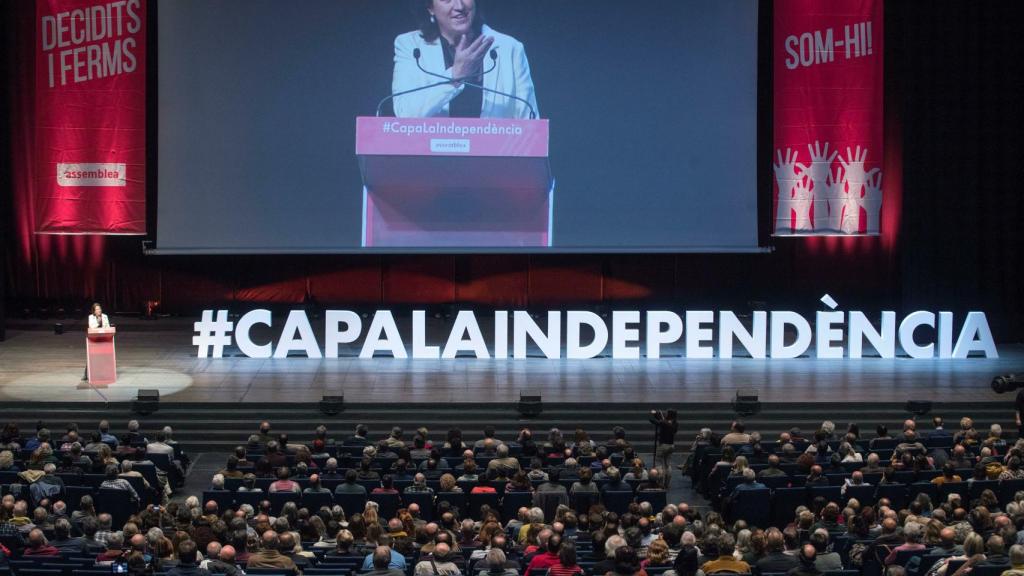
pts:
pixel 889 507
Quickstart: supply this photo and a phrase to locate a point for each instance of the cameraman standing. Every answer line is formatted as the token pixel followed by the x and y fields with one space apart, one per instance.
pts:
pixel 665 428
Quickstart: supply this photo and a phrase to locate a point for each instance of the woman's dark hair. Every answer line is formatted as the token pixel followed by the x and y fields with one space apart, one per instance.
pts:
pixel 626 561
pixel 567 555
pixel 429 29
pixel 882 430
pixel 686 562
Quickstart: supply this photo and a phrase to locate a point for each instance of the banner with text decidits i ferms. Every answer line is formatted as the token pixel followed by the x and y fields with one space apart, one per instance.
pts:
pixel 90 128
pixel 827 152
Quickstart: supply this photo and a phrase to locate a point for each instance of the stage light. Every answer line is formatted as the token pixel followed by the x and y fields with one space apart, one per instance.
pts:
pixel 918 407
pixel 331 405
pixel 58 328
pixel 147 401
pixel 530 404
pixel 1007 383
pixel 746 402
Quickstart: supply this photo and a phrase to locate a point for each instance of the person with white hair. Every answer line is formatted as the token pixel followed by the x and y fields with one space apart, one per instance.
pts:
pixel 160 446
pixel 913 533
pixel 611 545
pixel 48 485
pixel 749 483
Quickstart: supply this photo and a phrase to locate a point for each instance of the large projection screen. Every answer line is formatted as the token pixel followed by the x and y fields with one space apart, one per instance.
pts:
pixel 651 106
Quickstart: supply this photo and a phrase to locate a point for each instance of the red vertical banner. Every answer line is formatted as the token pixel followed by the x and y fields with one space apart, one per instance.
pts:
pixel 828 117
pixel 90 124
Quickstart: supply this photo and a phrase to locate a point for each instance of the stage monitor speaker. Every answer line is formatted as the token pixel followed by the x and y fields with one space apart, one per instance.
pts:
pixel 530 404
pixel 1007 383
pixel 918 407
pixel 147 401
pixel 746 402
pixel 332 405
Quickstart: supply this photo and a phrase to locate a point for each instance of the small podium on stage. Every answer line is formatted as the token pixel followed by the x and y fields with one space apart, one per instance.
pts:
pixel 101 359
pixel 455 182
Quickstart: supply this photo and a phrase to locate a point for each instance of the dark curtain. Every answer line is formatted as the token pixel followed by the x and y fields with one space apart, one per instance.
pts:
pixel 961 70
pixel 6 65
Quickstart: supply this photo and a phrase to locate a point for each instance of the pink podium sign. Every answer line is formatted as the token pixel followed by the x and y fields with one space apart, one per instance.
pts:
pixel 451 137
pixel 455 182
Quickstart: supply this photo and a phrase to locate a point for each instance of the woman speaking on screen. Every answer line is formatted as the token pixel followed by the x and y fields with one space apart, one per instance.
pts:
pixel 487 73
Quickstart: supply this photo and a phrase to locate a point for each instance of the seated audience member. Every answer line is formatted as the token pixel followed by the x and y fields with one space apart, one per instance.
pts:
pixel 396 561
pixel 63 541
pixel 806 567
pixel 438 562
pixel 913 534
pixel 188 561
pixel 270 555
pixel 995 552
pixel 627 563
pixel 381 563
pixel 1016 561
pixel 725 561
pixel 495 563
pixel 350 485
pixel 283 483
pixel 545 558
pixel 38 546
pixel 776 559
pixel 419 485
pixel 113 481
pixel 221 560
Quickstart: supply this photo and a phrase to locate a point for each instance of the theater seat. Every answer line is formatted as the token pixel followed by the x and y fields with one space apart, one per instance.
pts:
pixel 754 506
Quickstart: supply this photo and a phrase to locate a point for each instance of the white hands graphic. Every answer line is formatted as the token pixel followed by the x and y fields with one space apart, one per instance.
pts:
pixel 787 172
pixel 819 172
pixel 836 193
pixel 836 198
pixel 854 165
pixel 872 202
pixel 802 205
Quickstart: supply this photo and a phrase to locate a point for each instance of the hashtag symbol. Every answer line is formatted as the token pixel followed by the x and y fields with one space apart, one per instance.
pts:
pixel 387 127
pixel 215 333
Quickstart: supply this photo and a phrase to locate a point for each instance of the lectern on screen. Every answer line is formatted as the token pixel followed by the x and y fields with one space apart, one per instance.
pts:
pixel 450 182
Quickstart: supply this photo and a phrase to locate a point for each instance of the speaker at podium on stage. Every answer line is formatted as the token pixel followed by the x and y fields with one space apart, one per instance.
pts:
pixel 100 355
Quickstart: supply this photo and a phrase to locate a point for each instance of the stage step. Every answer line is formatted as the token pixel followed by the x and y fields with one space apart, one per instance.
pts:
pixel 222 426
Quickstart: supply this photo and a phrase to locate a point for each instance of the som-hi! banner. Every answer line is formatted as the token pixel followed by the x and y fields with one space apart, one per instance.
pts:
pixel 828 91
pixel 90 116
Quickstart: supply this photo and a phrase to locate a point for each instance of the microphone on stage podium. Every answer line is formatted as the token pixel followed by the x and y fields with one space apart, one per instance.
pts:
pixel 416 54
pixel 494 62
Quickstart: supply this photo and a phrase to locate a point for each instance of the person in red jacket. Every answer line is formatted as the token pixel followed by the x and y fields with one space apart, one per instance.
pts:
pixel 38 546
pixel 548 558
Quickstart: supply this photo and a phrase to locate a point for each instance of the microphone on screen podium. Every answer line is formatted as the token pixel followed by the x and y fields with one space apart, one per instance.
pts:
pixel 494 62
pixel 447 80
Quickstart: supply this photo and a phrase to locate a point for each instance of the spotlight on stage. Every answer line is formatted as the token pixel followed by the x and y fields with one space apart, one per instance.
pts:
pixel 918 407
pixel 331 405
pixel 58 328
pixel 147 402
pixel 530 405
pixel 1007 383
pixel 746 402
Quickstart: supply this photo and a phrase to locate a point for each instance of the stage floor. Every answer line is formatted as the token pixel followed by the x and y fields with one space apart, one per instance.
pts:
pixel 36 364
